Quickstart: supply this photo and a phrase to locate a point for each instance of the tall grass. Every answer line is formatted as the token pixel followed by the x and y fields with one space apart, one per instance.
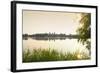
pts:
pixel 40 55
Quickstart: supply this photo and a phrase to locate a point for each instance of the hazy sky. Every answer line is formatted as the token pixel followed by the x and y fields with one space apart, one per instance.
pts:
pixel 46 21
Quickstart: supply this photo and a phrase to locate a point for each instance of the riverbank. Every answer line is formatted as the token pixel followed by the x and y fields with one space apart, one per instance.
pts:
pixel 42 55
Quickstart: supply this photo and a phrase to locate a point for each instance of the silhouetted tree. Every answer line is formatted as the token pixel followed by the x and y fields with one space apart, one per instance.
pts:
pixel 84 31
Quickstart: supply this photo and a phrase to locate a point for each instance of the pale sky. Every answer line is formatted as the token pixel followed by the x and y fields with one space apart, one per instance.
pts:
pixel 46 21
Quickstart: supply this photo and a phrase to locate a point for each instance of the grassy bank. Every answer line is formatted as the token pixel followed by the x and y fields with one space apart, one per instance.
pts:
pixel 41 55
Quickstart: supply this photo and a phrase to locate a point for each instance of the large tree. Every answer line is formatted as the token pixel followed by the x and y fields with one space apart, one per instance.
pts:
pixel 84 31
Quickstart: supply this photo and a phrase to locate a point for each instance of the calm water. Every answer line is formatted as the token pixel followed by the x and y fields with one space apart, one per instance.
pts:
pixel 66 45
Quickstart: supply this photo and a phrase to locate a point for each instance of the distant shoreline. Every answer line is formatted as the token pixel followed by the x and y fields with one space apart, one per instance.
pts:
pixel 51 35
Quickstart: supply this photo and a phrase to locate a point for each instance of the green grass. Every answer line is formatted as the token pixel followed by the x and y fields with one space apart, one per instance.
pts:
pixel 42 55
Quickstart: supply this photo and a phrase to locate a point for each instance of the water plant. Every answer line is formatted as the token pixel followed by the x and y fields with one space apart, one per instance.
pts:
pixel 42 55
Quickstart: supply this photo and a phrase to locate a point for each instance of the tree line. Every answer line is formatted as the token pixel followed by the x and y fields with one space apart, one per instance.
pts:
pixel 50 35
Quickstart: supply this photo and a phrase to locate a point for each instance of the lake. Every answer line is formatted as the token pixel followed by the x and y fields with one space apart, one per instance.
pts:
pixel 64 45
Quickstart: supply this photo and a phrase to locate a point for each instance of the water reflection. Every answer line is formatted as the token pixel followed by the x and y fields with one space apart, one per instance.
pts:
pixel 61 44
pixel 48 38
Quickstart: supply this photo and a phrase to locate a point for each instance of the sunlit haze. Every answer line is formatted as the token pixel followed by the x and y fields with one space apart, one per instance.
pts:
pixel 49 21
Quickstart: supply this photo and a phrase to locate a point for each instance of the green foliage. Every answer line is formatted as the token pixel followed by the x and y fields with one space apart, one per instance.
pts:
pixel 41 55
pixel 84 31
